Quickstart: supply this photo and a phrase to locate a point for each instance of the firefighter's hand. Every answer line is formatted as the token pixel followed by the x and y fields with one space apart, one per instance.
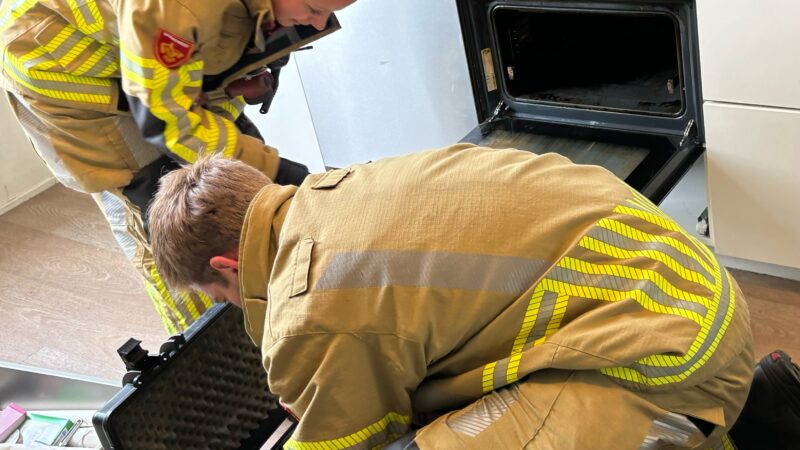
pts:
pixel 257 90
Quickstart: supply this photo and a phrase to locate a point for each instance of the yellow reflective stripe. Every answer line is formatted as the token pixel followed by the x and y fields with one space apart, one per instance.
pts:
pixel 166 298
pixel 95 26
pixel 621 253
pixel 641 236
pixel 555 321
pixel 79 20
pixel 512 373
pixel 207 303
pixel 166 101
pixel 51 47
pixel 637 377
pixel 11 11
pixel 233 137
pixel 137 78
pixel 137 60
pixel 355 438
pixel 528 323
pixel 189 304
pixel 75 51
pixel 528 320
pixel 93 60
pixel 46 65
pixel 231 109
pixel 212 127
pixel 155 297
pixel 102 99
pixel 67 78
pixel 33 54
pixel 109 70
pixel 643 202
pixel 59 39
pixel 655 219
pixel 703 247
pixel 633 273
pixel 159 109
pixel 727 444
pixel 663 221
pixel 487 379
pixel 610 295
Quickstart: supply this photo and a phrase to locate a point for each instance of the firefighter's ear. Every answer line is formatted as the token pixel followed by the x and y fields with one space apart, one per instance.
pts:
pixel 224 263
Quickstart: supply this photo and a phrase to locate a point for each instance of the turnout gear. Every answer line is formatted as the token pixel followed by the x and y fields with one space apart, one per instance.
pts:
pixel 771 417
pixel 479 298
pixel 114 92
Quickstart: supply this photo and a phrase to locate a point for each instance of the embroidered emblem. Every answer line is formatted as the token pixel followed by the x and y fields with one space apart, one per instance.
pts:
pixel 171 50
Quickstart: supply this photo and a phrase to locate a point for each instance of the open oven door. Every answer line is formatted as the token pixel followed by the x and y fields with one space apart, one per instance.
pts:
pixel 613 84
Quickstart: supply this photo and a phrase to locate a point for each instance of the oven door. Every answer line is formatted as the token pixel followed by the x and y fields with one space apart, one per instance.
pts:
pixel 650 163
pixel 610 83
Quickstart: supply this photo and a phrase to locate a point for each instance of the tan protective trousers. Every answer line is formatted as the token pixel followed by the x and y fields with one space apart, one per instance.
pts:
pixel 102 138
pixel 177 309
pixel 576 410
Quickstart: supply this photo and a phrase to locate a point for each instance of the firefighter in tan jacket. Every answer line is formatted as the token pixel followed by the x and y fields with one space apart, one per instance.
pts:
pixel 113 93
pixel 467 298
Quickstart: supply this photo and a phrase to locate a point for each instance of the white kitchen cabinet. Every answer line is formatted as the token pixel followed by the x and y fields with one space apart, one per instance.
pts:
pixel 22 172
pixel 753 163
pixel 750 51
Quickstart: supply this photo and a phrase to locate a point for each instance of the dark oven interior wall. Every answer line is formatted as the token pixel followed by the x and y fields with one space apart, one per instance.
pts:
pixel 613 61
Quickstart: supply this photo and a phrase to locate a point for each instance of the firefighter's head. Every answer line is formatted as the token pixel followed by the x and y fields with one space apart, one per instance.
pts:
pixel 306 12
pixel 195 221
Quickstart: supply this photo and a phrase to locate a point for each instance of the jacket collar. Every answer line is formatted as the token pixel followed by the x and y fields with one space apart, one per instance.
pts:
pixel 258 246
pixel 261 10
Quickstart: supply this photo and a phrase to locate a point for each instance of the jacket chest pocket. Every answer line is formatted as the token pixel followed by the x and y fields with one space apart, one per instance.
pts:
pixel 66 49
pixel 57 62
pixel 301 265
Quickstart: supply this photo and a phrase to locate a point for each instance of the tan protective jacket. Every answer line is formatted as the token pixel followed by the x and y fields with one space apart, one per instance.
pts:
pixel 418 284
pixel 71 60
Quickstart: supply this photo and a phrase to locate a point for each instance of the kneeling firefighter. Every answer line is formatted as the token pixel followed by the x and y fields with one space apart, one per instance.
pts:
pixel 115 93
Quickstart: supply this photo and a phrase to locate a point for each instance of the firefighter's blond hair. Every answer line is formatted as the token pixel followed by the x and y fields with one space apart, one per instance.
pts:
pixel 197 213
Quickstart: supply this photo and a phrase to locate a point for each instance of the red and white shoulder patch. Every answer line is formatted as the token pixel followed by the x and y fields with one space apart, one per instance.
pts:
pixel 172 50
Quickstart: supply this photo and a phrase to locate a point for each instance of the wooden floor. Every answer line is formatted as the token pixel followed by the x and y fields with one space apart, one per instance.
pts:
pixel 69 298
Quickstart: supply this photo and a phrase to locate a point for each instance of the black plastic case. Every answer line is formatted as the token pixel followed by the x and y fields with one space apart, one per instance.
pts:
pixel 207 389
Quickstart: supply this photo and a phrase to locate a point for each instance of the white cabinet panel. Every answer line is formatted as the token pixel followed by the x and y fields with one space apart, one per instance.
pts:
pixel 394 79
pixel 22 172
pixel 750 51
pixel 754 182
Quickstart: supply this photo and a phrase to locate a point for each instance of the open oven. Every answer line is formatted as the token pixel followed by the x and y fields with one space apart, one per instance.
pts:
pixel 614 84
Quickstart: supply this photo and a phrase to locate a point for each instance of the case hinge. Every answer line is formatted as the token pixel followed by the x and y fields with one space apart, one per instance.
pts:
pixel 689 134
pixel 499 110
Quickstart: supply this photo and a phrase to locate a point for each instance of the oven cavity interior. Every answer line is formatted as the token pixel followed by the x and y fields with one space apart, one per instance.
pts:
pixel 614 61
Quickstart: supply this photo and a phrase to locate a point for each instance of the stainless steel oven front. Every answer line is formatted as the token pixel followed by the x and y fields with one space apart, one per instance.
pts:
pixel 612 83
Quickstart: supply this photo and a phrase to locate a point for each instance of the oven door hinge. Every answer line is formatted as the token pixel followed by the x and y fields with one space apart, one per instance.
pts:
pixel 498 113
pixel 690 134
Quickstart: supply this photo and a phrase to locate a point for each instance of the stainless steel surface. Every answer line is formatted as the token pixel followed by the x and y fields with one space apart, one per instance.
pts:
pixel 393 80
pixel 40 389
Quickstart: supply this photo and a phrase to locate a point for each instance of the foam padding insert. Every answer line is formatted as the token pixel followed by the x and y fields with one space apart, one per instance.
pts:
pixel 211 395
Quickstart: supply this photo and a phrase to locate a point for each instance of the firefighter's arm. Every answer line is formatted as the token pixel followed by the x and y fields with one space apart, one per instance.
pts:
pixel 348 390
pixel 161 46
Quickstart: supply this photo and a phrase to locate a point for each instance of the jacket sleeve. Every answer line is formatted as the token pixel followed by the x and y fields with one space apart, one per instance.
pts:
pixel 161 43
pixel 347 390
